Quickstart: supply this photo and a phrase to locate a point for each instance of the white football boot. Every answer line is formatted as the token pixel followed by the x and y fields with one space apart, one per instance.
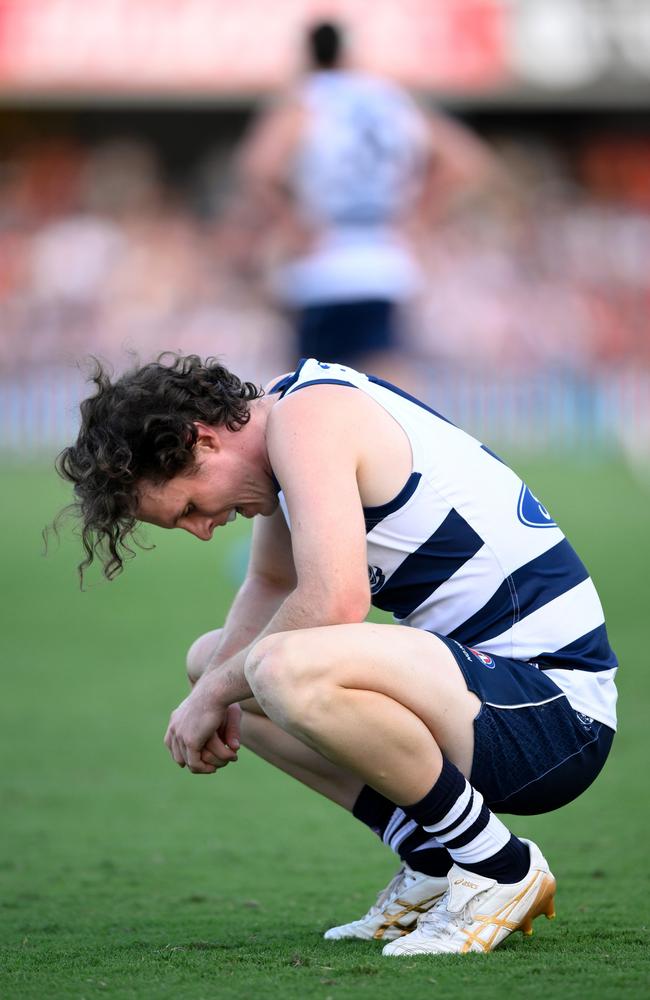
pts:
pixel 408 895
pixel 477 914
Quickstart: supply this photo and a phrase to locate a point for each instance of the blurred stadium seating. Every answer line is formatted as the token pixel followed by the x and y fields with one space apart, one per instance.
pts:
pixel 533 324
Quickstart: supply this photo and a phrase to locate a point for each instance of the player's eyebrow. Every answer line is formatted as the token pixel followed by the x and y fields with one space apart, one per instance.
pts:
pixel 179 515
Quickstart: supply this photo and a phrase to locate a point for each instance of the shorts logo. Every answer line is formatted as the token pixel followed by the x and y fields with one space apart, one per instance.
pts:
pixel 484 658
pixel 377 579
pixel 531 512
pixel 585 720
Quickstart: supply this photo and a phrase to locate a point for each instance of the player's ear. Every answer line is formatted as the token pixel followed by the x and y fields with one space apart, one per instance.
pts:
pixel 207 437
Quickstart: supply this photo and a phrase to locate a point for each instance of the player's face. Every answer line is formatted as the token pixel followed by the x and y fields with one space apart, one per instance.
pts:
pixel 220 485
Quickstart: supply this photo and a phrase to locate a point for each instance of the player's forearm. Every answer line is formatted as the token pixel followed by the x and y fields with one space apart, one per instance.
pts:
pixel 301 609
pixel 254 606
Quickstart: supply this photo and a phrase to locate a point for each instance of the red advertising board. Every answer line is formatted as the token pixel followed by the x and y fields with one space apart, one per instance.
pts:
pixel 241 47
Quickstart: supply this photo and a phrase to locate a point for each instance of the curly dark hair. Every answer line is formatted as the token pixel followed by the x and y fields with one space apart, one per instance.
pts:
pixel 141 425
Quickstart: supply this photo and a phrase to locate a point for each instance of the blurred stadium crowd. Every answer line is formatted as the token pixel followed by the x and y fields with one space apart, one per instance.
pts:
pixel 100 253
pixel 117 231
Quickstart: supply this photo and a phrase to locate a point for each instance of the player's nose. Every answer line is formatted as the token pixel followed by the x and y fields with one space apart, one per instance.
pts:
pixel 200 529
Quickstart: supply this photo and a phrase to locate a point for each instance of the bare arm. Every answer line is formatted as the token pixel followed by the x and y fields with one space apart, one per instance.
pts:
pixel 262 203
pixel 270 577
pixel 460 167
pixel 317 464
pixel 315 454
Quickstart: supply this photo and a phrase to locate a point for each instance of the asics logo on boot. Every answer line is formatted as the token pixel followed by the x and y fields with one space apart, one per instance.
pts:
pixel 468 885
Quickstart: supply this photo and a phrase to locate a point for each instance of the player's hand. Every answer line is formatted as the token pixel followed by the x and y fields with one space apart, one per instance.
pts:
pixel 199 730
pixel 229 735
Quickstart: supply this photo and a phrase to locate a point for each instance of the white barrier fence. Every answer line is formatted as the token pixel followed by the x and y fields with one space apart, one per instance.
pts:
pixel 39 410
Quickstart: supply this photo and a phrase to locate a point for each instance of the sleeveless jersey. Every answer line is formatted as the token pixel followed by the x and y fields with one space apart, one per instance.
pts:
pixel 358 168
pixel 466 550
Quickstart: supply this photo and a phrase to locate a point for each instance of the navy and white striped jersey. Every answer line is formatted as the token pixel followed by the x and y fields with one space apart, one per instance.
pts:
pixel 466 550
pixel 358 171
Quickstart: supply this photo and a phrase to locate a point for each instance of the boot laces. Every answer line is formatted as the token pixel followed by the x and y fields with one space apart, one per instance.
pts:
pixel 396 885
pixel 439 920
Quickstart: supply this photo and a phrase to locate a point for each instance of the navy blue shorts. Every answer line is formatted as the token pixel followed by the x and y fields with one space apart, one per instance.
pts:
pixel 346 331
pixel 532 751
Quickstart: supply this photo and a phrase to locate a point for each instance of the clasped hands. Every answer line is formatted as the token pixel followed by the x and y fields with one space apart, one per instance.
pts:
pixel 202 734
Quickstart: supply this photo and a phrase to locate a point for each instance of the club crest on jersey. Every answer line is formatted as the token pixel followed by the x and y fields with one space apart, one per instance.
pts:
pixel 531 512
pixel 377 579
pixel 486 660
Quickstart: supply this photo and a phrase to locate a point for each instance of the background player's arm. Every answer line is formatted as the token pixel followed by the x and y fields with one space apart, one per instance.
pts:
pixel 459 167
pixel 262 203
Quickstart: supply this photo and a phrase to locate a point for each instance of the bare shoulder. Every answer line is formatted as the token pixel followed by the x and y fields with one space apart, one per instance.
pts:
pixel 323 402
pixel 317 413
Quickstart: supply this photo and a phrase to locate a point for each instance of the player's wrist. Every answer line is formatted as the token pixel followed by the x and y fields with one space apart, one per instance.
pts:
pixel 215 689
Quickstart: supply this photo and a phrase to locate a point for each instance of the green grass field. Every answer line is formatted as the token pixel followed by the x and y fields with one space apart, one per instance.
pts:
pixel 123 876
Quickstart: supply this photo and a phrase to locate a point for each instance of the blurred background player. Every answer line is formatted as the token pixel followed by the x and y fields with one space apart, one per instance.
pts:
pixel 340 179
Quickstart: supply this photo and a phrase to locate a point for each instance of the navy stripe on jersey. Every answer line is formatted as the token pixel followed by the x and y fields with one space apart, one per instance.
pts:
pixel 492 453
pixel 281 385
pixel 591 651
pixel 324 381
pixel 528 588
pixel 285 383
pixel 451 545
pixel 406 395
pixel 373 515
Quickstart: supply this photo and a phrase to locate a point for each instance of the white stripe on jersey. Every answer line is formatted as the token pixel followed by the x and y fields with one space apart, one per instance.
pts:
pixel 552 626
pixel 453 603
pixel 389 546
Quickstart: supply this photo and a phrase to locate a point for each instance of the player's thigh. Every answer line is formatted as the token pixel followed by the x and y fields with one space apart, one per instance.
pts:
pixel 411 666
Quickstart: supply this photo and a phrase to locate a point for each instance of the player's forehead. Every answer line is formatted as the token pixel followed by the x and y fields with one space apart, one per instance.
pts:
pixel 159 503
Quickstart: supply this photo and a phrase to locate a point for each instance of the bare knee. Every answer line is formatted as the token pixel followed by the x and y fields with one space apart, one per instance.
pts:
pixel 201 652
pixel 287 680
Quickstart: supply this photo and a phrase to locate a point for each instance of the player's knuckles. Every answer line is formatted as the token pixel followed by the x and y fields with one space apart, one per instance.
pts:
pixel 201 768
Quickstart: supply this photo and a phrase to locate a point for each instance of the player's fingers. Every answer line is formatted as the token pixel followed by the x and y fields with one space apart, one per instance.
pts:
pixel 176 751
pixel 195 764
pixel 211 760
pixel 216 746
pixel 232 727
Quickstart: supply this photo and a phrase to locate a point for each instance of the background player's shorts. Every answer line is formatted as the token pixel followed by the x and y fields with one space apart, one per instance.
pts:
pixel 532 751
pixel 346 331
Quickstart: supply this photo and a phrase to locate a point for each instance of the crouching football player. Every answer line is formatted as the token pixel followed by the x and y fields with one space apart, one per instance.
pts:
pixel 497 697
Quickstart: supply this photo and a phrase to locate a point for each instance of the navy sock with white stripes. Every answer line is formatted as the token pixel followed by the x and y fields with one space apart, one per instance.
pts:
pixel 406 838
pixel 476 839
